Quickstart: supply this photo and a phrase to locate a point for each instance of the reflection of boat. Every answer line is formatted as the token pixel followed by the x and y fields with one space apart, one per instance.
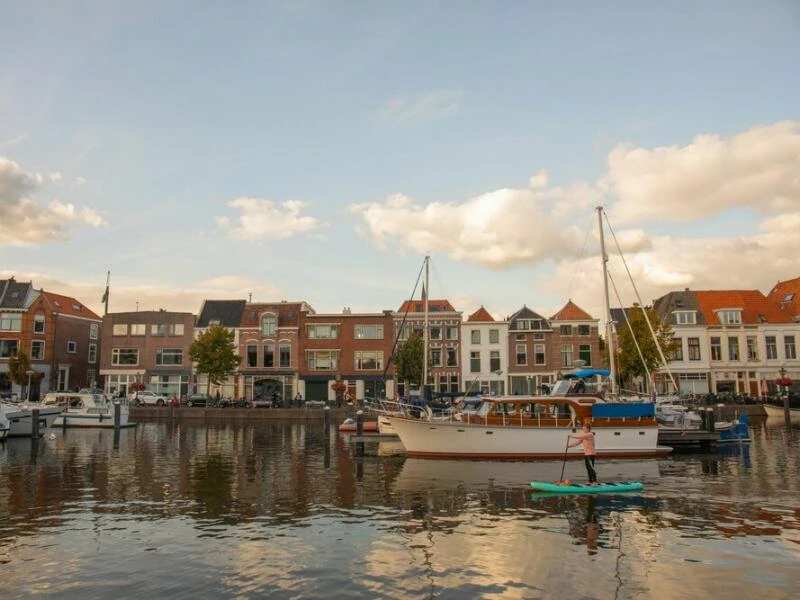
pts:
pixel 86 410
pixel 775 411
pixel 420 474
pixel 349 425
pixel 20 418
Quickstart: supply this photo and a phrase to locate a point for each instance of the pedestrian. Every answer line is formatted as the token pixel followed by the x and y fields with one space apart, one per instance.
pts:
pixel 587 439
pixel 298 399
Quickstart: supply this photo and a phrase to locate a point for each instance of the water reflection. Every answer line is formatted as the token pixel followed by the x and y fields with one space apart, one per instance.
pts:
pixel 287 510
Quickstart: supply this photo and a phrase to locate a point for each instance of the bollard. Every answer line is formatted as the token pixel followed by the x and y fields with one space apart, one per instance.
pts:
pixel 710 419
pixel 360 433
pixel 117 415
pixel 327 413
pixel 787 413
pixel 35 423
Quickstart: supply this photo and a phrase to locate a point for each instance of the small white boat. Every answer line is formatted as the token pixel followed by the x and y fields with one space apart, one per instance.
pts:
pixel 775 411
pixel 20 418
pixel 87 410
pixel 4 427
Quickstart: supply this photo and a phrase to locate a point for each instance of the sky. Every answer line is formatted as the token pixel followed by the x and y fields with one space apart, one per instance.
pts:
pixel 317 151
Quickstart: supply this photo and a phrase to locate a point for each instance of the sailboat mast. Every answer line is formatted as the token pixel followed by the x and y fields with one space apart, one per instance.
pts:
pixel 607 306
pixel 425 292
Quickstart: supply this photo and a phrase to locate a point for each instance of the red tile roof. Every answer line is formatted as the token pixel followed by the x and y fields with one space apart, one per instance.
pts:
pixel 571 312
pixel 433 306
pixel 480 315
pixel 755 306
pixel 786 296
pixel 69 306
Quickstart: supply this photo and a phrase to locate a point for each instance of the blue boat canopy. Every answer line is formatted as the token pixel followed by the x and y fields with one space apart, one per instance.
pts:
pixel 585 373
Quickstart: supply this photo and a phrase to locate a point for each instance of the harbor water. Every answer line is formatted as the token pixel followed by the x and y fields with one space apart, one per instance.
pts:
pixel 287 510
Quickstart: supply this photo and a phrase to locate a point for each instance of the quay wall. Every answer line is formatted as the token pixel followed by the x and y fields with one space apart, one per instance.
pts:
pixel 185 413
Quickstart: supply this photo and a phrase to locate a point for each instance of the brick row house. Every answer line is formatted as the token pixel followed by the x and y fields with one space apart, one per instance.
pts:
pixel 541 349
pixel 59 334
pixel 149 347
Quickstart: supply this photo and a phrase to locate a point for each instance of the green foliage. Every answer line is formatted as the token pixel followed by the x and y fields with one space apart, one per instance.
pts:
pixel 214 354
pixel 18 366
pixel 408 360
pixel 629 363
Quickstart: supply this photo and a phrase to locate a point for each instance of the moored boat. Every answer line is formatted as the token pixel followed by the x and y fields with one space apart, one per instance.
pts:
pixel 20 418
pixel 777 411
pixel 4 427
pixel 87 410
pixel 349 425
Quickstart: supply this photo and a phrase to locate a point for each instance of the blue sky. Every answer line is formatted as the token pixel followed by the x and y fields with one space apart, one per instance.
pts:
pixel 163 141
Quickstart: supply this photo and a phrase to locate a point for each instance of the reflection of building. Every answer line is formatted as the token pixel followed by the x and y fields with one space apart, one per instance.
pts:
pixel 149 347
pixel 59 335
pixel 350 348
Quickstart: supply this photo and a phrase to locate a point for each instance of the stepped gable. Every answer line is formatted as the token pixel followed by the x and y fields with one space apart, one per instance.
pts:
pixel 14 294
pixel 786 296
pixel 66 305
pixel 418 306
pixel 571 312
pixel 227 313
pixel 480 316
pixel 755 306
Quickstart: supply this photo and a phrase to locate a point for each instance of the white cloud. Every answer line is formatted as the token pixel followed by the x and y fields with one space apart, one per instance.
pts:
pixel 54 176
pixel 442 103
pixel 79 181
pixel 758 168
pixel 23 221
pixel 265 220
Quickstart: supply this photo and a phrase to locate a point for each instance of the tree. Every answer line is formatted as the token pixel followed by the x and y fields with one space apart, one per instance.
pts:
pixel 408 360
pixel 214 355
pixel 18 366
pixel 628 362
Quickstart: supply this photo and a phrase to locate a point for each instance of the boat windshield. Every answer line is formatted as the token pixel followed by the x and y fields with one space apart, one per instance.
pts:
pixel 561 387
pixel 484 409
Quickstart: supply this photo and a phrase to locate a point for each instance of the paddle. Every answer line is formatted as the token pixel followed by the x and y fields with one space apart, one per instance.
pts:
pixel 563 465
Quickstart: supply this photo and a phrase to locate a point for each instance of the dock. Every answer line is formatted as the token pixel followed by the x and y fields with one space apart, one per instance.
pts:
pixel 689 438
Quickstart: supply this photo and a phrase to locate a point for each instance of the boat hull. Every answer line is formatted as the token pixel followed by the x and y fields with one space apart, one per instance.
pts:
pixel 97 420
pixel 447 439
pixel 600 488
pixel 778 412
pixel 21 420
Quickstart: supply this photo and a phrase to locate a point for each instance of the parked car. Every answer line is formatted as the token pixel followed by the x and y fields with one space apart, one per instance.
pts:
pixel 148 398
pixel 198 400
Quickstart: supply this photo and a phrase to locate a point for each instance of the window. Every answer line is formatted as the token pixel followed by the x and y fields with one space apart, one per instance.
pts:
pixel 285 355
pixel 92 353
pixel 10 321
pixel 452 357
pixel 436 357
pixel 8 347
pixel 538 354
pixel 494 360
pixel 72 346
pixel 138 329
pixel 269 355
pixel 124 356
pixel 677 349
pixel 38 323
pixel 252 356
pixel 494 336
pixel 788 347
pixel 369 361
pixel 119 329
pixel 730 317
pixel 94 330
pixel 585 354
pixel 452 332
pixel 475 362
pixel 752 347
pixel 323 332
pixel 169 356
pixel 716 348
pixel 37 350
pixel 584 330
pixel 158 329
pixel 91 375
pixel 565 329
pixel 685 317
pixel 269 324
pixel 733 348
pixel 693 345
pixel 369 332
pixel 176 329
pixel 566 355
pixel 322 360
pixel 475 336
pixel 772 347
pixel 435 332
pixel 522 354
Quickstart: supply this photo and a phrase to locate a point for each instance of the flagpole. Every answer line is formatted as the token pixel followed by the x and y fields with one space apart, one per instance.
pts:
pixel 104 300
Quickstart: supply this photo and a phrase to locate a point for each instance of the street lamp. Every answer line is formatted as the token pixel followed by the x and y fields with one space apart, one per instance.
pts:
pixel 29 373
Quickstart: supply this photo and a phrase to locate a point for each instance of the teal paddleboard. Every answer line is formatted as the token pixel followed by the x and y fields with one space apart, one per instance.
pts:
pixel 585 488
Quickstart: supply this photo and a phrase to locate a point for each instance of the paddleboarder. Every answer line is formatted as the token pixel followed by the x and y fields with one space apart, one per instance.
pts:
pixel 587 439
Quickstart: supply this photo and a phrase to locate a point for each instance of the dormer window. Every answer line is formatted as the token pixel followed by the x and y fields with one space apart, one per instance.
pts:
pixel 730 316
pixel 685 317
pixel 269 325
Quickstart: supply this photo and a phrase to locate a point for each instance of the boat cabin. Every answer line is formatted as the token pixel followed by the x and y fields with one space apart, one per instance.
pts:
pixel 74 401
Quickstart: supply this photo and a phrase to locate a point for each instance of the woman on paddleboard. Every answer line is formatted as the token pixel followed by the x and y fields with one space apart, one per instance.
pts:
pixel 587 439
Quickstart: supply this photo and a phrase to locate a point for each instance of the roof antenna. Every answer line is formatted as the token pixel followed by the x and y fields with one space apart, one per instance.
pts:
pixel 250 298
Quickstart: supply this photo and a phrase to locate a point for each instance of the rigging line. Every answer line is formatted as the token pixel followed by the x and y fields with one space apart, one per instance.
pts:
pixel 641 304
pixel 589 227
pixel 628 323
pixel 403 322
pixel 438 282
